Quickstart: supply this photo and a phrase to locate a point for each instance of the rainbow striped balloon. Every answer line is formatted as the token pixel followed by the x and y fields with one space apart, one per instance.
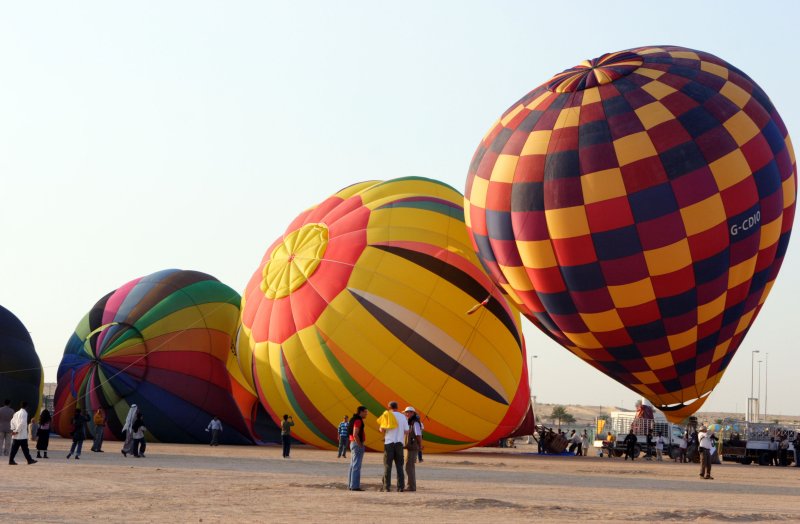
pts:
pixel 364 299
pixel 161 342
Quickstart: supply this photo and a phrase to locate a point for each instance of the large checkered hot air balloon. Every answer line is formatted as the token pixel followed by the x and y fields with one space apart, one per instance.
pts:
pixel 162 342
pixel 365 299
pixel 637 208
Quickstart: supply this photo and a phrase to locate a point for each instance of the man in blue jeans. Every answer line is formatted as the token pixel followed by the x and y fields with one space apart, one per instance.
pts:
pixel 393 441
pixel 356 449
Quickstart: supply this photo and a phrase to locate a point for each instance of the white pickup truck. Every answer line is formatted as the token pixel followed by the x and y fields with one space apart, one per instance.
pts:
pixel 620 424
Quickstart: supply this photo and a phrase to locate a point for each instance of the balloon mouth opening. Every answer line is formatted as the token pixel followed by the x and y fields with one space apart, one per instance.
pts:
pixel 292 262
pixel 595 72
pixel 119 356
pixel 684 404
pixel 680 411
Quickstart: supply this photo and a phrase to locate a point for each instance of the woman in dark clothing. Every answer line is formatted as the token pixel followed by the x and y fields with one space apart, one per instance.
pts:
pixel 139 443
pixel 78 434
pixel 43 434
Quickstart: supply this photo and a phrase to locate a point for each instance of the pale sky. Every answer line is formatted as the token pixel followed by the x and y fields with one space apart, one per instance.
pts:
pixel 141 136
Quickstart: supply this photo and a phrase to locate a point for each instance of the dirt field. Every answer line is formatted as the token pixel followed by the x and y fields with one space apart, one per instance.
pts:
pixel 182 483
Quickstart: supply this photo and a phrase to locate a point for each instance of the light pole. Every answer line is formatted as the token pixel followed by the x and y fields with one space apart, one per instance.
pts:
pixel 766 383
pixel 533 398
pixel 759 390
pixel 530 382
pixel 750 400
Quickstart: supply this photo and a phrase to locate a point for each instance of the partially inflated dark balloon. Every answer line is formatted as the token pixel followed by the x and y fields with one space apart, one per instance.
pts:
pixel 21 376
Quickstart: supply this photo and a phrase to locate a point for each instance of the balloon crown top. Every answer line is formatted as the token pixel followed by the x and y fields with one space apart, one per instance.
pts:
pixel 596 72
pixel 294 259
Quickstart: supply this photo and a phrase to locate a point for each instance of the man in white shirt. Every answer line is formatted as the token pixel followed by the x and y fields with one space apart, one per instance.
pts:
pixel 660 447
pixel 19 434
pixel 704 436
pixel 393 440
pixel 215 426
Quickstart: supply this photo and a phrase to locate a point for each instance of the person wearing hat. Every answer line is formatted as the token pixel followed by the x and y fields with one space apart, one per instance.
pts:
pixel 413 446
pixel 705 452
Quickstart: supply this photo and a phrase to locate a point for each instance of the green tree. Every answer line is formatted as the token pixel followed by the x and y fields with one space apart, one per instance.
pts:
pixel 560 414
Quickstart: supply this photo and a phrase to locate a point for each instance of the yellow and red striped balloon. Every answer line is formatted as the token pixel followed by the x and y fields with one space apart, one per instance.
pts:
pixel 364 300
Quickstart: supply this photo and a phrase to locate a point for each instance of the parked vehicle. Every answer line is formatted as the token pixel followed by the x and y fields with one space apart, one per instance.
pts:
pixel 753 443
pixel 621 422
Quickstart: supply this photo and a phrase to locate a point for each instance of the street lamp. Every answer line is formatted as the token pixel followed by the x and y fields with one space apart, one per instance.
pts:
pixel 766 383
pixel 750 400
pixel 759 389
pixel 533 399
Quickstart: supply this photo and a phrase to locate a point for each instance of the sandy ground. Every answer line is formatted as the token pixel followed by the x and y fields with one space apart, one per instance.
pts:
pixel 183 483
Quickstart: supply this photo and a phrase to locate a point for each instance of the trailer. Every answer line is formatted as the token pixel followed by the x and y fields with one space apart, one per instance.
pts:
pixel 759 443
pixel 620 423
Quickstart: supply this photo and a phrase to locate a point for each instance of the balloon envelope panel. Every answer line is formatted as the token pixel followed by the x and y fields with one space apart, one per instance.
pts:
pixel 637 208
pixel 20 368
pixel 364 300
pixel 161 342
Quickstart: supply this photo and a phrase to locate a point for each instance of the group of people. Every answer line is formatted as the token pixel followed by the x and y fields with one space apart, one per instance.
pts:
pixel 701 440
pixel 577 443
pixel 653 446
pixel 779 450
pixel 14 433
pixel 401 431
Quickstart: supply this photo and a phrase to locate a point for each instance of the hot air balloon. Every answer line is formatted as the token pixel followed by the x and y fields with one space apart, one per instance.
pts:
pixel 365 299
pixel 21 377
pixel 637 208
pixel 161 342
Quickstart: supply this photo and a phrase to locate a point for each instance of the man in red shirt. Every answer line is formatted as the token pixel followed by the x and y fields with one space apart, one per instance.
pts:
pixel 356 434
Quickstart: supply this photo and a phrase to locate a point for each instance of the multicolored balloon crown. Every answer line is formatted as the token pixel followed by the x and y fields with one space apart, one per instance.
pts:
pixel 596 72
